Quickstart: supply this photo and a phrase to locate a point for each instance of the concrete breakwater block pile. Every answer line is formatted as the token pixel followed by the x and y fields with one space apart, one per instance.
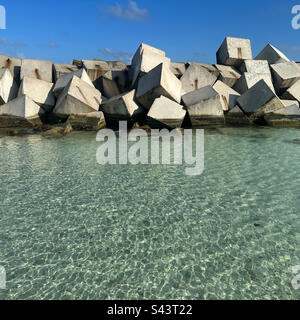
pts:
pixel 153 91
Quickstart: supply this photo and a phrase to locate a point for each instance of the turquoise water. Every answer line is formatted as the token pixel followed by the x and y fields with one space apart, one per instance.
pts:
pixel 72 229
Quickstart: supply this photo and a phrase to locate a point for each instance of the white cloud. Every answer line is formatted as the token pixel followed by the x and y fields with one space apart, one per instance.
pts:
pixel 290 48
pixel 116 55
pixel 131 12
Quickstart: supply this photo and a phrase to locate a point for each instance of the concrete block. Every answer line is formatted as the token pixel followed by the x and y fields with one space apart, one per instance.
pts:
pixel 122 108
pixel 255 66
pixel 77 97
pixel 292 93
pixel 8 86
pixel 14 66
pixel 37 69
pixel 62 69
pixel 233 51
pixel 196 77
pixel 113 83
pixel 228 75
pixel 39 91
pixel 211 68
pixel 259 100
pixel 237 117
pixel 285 75
pixel 289 116
pixel 165 113
pixel 227 95
pixel 248 80
pixel 204 107
pixel 178 68
pixel 63 81
pixel 289 103
pixel 159 81
pixel 20 112
pixel 87 121
pixel 272 55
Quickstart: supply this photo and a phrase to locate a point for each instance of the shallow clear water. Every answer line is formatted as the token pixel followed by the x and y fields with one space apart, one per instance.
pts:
pixel 72 229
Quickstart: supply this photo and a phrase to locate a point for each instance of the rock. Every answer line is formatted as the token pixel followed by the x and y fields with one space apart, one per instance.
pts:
pixel 204 107
pixel 122 108
pixel 178 68
pixel 196 77
pixel 248 80
pixel 77 97
pixel 144 60
pixel 37 69
pixel 159 81
pixel 289 116
pixel 165 113
pixel 95 69
pixel 293 92
pixel 8 86
pixel 255 66
pixel 228 96
pixel 13 65
pixel 228 75
pixel 272 55
pixel 57 131
pixel 233 51
pixel 20 112
pixel 62 69
pixel 285 74
pixel 87 121
pixel 64 80
pixel 236 116
pixel 259 100
pixel 114 83
pixel 39 91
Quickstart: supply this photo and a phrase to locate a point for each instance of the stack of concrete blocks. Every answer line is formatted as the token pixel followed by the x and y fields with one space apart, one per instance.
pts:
pixel 61 69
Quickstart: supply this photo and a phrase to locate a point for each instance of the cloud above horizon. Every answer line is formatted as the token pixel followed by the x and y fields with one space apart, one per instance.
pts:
pixel 4 42
pixel 116 55
pixel 290 48
pixel 131 12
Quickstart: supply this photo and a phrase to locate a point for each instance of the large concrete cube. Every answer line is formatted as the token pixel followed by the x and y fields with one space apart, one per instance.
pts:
pixel 293 92
pixel 39 91
pixel 77 97
pixel 13 65
pixel 259 100
pixel 178 68
pixel 21 111
pixel 145 59
pixel 122 108
pixel 37 69
pixel 8 86
pixel 159 81
pixel 233 51
pixel 237 117
pixel 196 77
pixel 114 83
pixel 228 75
pixel 272 55
pixel 87 121
pixel 165 113
pixel 255 66
pixel 62 69
pixel 248 80
pixel 285 74
pixel 204 107
pixel 211 68
pixel 227 95
pixel 64 80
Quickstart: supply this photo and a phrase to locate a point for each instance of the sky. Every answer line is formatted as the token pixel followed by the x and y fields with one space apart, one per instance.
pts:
pixel 190 30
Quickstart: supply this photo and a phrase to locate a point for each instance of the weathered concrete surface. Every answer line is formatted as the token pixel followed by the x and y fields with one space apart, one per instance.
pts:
pixel 144 60
pixel 77 97
pixel 289 116
pixel 228 75
pixel 165 113
pixel 113 83
pixel 20 112
pixel 39 91
pixel 8 86
pixel 122 108
pixel 259 100
pixel 62 69
pixel 285 75
pixel 87 121
pixel 228 96
pixel 272 55
pixel 95 69
pixel 293 93
pixel 237 117
pixel 37 69
pixel 178 68
pixel 233 51
pixel 13 64
pixel 63 81
pixel 196 77
pixel 159 81
pixel 289 103
pixel 248 80
pixel 204 107
pixel 255 66
pixel 211 68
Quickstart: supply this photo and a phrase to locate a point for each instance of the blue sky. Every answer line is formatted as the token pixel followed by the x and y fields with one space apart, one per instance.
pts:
pixel 190 30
